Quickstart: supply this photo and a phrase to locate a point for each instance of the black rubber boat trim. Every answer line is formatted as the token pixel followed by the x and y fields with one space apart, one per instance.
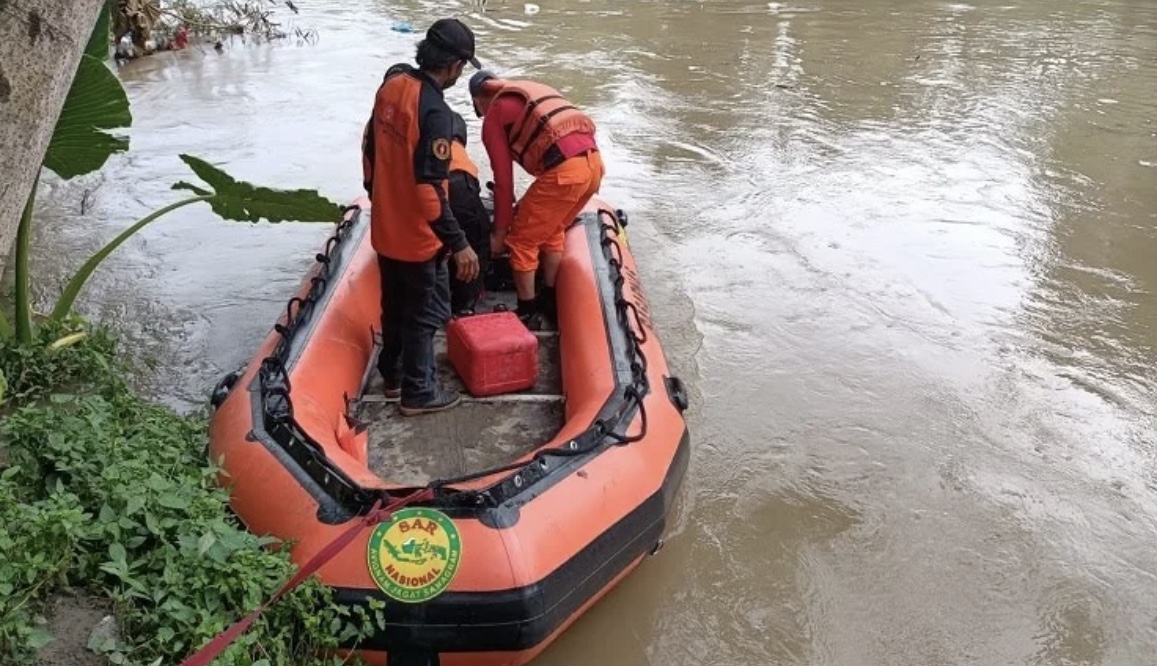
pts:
pixel 339 498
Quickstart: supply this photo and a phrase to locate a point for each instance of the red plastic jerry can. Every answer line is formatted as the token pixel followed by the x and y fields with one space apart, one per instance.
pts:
pixel 493 353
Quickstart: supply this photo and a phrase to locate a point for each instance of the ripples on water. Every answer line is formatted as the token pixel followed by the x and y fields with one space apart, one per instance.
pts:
pixel 919 241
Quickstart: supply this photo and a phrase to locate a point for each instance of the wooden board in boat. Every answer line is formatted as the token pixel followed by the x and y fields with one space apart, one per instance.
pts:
pixel 477 434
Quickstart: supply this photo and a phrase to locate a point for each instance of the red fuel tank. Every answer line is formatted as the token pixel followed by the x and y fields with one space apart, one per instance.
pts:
pixel 493 353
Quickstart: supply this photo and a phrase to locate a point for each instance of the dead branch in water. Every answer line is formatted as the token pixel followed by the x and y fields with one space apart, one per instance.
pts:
pixel 153 24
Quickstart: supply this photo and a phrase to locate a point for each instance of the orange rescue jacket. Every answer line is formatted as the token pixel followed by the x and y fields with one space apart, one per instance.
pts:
pixel 546 118
pixel 406 150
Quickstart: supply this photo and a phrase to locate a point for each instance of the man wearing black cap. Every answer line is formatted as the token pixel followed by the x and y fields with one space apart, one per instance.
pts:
pixel 406 150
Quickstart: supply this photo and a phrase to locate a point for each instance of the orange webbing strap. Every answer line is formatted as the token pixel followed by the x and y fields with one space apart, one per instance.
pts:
pixel 377 514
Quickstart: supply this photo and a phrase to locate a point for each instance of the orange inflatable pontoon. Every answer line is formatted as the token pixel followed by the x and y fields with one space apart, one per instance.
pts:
pixel 501 561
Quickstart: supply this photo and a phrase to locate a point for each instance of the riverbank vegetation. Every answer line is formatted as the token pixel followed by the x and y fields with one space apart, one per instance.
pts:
pixel 105 495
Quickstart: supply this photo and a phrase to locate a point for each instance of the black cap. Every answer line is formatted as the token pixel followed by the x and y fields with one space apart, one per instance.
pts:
pixel 478 80
pixel 453 36
pixel 458 127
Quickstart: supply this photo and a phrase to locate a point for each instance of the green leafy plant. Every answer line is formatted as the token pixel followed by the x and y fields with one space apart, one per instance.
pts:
pixel 81 144
pixel 32 370
pixel 96 103
pixel 229 198
pixel 105 492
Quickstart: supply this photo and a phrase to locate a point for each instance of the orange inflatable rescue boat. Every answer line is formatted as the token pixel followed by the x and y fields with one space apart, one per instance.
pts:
pixel 539 501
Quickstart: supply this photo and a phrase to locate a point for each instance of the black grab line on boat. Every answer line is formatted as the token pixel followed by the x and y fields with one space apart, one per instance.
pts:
pixel 340 498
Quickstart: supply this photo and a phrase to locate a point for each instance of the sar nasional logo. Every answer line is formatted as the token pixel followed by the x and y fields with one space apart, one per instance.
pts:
pixel 415 555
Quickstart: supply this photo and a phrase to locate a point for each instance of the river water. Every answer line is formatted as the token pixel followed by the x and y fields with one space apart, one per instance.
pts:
pixel 905 253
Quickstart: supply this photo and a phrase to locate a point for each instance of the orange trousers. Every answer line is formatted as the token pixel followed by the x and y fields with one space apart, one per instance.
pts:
pixel 551 203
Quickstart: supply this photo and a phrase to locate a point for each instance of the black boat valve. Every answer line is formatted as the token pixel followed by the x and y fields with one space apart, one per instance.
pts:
pixel 221 390
pixel 677 392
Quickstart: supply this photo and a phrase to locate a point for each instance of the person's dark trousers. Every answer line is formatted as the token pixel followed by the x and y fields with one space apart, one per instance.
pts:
pixel 415 304
pixel 466 204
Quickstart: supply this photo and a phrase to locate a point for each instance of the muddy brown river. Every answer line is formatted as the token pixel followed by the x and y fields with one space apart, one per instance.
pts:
pixel 905 253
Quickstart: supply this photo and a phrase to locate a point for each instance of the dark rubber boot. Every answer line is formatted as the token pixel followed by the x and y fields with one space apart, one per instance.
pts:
pixel 528 313
pixel 548 306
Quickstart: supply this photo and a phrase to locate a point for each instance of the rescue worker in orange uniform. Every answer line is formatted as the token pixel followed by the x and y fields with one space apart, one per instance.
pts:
pixel 406 150
pixel 532 124
pixel 472 216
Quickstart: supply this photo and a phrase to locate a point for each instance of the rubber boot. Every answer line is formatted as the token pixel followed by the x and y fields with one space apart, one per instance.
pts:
pixel 528 313
pixel 548 305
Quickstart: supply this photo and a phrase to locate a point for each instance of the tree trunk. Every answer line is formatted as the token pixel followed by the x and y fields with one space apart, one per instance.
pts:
pixel 41 42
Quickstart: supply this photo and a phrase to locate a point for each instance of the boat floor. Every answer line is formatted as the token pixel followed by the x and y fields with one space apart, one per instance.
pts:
pixel 477 434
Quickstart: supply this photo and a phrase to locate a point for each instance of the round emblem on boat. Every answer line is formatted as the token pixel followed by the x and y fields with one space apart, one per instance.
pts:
pixel 415 555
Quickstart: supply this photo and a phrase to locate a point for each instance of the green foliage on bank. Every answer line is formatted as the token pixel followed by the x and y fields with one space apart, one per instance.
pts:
pixel 108 493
